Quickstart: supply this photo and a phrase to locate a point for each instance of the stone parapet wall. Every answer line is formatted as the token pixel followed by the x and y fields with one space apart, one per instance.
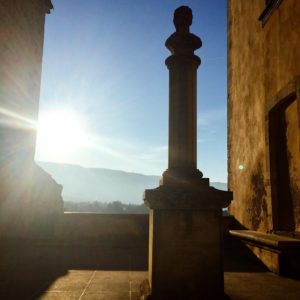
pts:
pixel 84 228
pixel 101 228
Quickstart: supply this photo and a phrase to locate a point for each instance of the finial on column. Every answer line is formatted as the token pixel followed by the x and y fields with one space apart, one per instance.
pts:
pixel 182 41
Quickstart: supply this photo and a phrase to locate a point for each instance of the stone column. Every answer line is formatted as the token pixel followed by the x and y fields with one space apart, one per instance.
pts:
pixel 185 232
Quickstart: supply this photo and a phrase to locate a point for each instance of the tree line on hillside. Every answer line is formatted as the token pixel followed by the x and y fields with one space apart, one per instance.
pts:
pixel 115 207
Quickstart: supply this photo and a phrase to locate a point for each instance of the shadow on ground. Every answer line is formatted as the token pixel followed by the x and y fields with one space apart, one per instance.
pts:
pixel 238 258
pixel 29 268
pixel 82 270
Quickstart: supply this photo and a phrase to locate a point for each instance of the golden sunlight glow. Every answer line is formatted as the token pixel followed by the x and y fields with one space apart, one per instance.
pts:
pixel 60 134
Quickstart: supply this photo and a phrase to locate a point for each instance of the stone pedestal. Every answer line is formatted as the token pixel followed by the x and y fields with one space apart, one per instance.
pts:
pixel 185 234
pixel 185 241
pixel 186 259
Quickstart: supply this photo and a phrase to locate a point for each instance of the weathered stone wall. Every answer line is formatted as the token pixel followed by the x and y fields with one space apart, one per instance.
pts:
pixel 31 201
pixel 82 228
pixel 262 60
pixel 92 228
pixel 29 198
pixel 102 228
pixel 22 37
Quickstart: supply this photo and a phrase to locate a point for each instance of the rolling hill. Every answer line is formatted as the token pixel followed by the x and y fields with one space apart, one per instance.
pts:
pixel 104 185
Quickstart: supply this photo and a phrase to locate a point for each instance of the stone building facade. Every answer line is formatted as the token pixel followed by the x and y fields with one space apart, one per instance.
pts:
pixel 26 191
pixel 264 114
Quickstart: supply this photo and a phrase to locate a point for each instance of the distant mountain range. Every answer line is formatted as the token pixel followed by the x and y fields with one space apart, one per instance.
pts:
pixel 104 185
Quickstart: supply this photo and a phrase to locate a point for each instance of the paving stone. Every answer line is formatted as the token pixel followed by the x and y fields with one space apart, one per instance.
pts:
pixel 69 284
pixel 60 295
pixel 109 285
pixel 106 296
pixel 109 275
pixel 260 286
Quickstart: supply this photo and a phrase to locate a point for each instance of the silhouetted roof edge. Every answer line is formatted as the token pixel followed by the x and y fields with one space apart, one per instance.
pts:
pixel 48 6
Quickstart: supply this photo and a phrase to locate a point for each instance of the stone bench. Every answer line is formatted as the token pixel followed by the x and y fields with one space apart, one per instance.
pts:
pixel 280 254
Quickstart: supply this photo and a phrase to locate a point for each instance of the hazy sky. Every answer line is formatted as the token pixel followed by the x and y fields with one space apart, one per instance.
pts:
pixel 104 62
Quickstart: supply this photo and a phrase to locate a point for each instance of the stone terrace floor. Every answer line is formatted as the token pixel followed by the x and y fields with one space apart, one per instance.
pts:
pixel 112 273
pixel 121 285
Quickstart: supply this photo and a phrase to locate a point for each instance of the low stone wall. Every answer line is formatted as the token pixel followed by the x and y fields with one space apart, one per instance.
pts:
pixel 102 228
pixel 81 241
pixel 80 228
pixel 84 241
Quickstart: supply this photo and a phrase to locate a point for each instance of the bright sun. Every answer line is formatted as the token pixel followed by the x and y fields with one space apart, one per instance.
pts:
pixel 60 134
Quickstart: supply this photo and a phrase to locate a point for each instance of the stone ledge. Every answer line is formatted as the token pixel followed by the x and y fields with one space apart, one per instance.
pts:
pixel 271 240
pixel 278 253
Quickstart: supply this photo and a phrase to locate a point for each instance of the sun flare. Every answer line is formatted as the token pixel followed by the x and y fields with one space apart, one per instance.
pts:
pixel 60 134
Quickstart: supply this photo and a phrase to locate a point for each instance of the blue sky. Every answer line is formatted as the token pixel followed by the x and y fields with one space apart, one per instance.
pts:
pixel 104 61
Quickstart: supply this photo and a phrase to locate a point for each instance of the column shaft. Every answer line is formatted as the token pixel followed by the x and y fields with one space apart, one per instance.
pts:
pixel 183 111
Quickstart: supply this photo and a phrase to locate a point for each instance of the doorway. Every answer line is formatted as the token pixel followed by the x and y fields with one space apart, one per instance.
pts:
pixel 284 163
